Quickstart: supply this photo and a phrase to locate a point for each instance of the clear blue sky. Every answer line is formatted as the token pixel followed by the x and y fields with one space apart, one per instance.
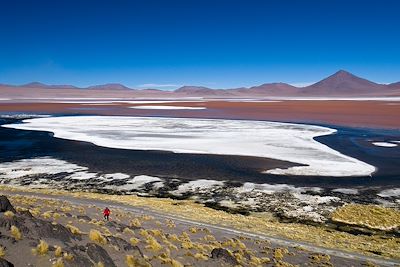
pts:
pixel 216 43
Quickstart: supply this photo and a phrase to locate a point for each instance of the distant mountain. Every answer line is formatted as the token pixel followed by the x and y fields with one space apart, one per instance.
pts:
pixel 340 84
pixel 202 91
pixel 109 86
pixel 273 89
pixel 46 86
pixel 343 83
pixel 394 85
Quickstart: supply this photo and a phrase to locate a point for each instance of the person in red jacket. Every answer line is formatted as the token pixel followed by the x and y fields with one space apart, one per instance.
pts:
pixel 106 213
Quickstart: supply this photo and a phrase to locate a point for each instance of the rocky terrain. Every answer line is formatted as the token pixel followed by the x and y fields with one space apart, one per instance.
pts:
pixel 57 227
pixel 48 232
pixel 309 205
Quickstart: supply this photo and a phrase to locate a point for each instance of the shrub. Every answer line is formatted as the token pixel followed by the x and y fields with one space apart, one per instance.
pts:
pixel 74 230
pixel 279 253
pixel 96 236
pixel 193 230
pixel 134 241
pixel 58 251
pixel 175 263
pixel 58 263
pixel 42 248
pixel 9 214
pixel 46 215
pixel 128 231
pixel 68 256
pixel 136 223
pixel 16 233
pixel 2 252
pixel 152 244
pixel 200 256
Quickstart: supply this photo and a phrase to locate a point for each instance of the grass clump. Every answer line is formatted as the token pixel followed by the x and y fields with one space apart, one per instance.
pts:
pixel 74 230
pixel 58 263
pixel 47 215
pixel 134 241
pixel 16 233
pixel 41 249
pixel 370 216
pixel 96 236
pixel 128 231
pixel 136 223
pixel 2 252
pixel 279 253
pixel 68 256
pixel 58 251
pixel 9 214
pixel 200 256
pixel 152 244
pixel 131 261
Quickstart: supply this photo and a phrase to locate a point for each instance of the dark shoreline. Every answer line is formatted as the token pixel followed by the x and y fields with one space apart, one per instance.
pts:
pixel 20 144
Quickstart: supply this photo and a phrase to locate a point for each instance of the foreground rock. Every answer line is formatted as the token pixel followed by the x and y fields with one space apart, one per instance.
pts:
pixel 5 204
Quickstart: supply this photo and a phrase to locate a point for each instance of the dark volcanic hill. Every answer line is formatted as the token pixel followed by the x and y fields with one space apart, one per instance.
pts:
pixel 109 86
pixel 343 83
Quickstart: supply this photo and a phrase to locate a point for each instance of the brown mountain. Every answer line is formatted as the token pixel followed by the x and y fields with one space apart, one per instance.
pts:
pixel 272 89
pixel 340 84
pixel 343 83
pixel 109 86
pixel 202 91
pixel 47 86
pixel 394 85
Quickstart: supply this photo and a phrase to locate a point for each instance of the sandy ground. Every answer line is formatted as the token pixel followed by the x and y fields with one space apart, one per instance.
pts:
pixel 161 239
pixel 372 114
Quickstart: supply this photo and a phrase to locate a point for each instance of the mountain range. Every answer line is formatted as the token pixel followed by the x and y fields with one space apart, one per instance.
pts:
pixel 340 84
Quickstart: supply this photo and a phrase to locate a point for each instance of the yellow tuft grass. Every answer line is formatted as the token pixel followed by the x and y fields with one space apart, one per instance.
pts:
pixel 9 214
pixel 106 231
pixel 279 253
pixel 201 256
pixel 187 245
pixel 35 211
pixel 73 229
pixel 47 215
pixel 175 263
pixel 16 233
pixel 68 256
pixel 136 223
pixel 156 232
pixel 371 216
pixel 99 264
pixel 128 231
pixel 144 233
pixel 134 241
pixel 170 223
pixel 58 263
pixel 41 249
pixel 2 252
pixel 131 261
pixel 58 251
pixel 152 244
pixel 96 236
pixel 193 230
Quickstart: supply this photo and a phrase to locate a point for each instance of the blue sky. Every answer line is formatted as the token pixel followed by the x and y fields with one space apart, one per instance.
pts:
pixel 218 43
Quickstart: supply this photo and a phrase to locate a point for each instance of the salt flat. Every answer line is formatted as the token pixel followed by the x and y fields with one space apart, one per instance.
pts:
pixel 282 141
